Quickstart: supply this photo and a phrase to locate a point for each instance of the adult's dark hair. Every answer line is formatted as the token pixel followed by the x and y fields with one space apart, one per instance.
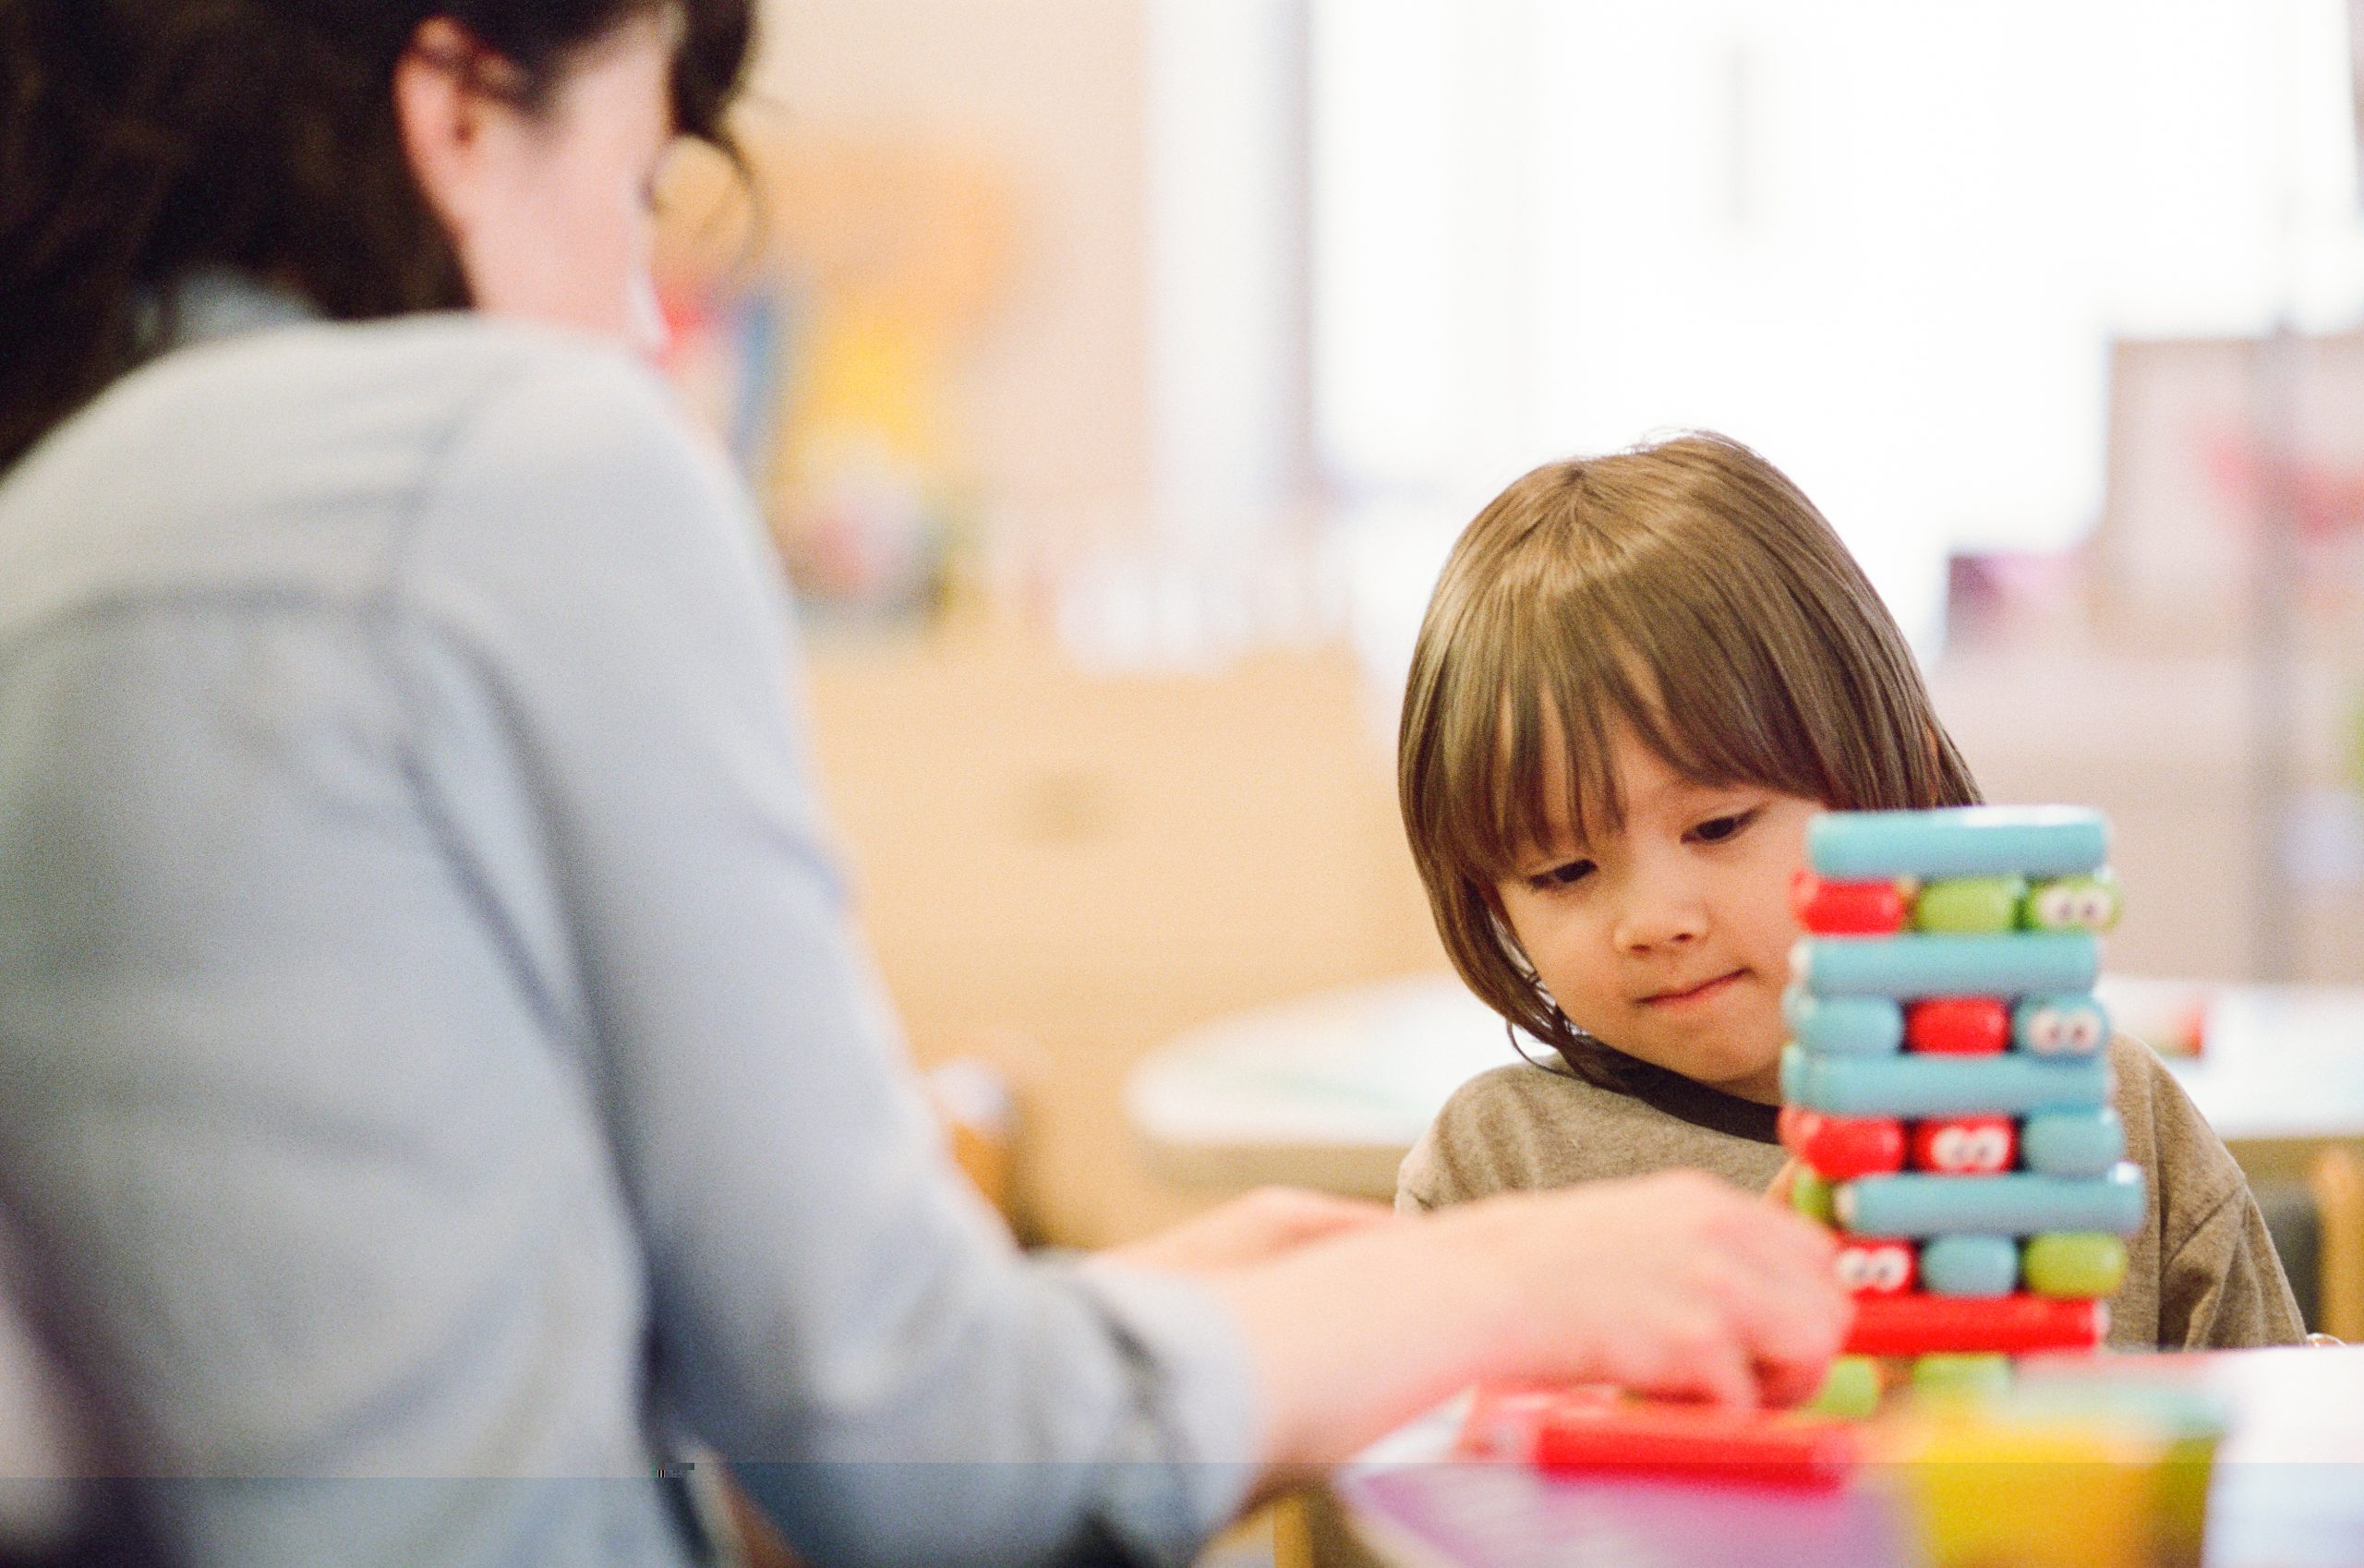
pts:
pixel 142 140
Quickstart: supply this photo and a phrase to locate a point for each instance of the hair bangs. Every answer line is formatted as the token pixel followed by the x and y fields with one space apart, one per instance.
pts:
pixel 1525 765
pixel 1705 696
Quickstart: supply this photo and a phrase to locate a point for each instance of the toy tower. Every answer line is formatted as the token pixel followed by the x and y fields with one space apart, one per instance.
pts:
pixel 1947 1085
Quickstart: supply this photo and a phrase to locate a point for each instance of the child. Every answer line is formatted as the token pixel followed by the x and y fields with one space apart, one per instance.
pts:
pixel 1639 678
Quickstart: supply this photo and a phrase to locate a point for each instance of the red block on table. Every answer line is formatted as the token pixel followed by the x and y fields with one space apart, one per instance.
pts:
pixel 1846 908
pixel 1958 1026
pixel 1965 1145
pixel 1842 1148
pixel 2015 1324
pixel 1697 1442
pixel 1504 1418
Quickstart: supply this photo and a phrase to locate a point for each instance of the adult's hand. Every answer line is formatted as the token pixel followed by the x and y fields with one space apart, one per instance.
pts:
pixel 1674 1284
pixel 1253 1228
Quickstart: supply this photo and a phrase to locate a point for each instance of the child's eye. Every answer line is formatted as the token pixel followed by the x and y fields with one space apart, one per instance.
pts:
pixel 1566 875
pixel 1716 830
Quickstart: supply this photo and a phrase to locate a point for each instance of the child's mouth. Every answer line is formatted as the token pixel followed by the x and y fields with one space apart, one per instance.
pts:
pixel 1704 990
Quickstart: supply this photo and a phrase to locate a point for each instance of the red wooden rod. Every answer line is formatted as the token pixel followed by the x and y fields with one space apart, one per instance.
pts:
pixel 1748 1448
pixel 1916 1325
pixel 1842 1148
pixel 1846 908
pixel 1958 1026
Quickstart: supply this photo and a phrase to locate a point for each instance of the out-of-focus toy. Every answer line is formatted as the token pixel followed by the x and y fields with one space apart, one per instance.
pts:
pixel 2071 1465
pixel 825 291
pixel 1599 1432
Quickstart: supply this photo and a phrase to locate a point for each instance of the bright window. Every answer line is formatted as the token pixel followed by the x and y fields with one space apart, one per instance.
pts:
pixel 1886 242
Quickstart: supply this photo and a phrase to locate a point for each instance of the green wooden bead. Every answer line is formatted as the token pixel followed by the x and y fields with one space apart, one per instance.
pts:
pixel 1969 905
pixel 1961 1379
pixel 1810 1195
pixel 2073 1265
pixel 1852 1391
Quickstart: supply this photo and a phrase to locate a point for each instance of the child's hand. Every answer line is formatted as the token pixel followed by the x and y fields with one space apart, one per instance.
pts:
pixel 1260 1226
pixel 1781 1192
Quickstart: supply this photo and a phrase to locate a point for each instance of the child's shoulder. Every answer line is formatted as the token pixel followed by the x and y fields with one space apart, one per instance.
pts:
pixel 2192 1174
pixel 2163 1129
pixel 1521 1127
pixel 2201 1273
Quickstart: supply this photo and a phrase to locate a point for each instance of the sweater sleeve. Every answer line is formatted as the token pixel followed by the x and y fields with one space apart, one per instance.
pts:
pixel 833 1311
pixel 2223 1287
pixel 2221 1284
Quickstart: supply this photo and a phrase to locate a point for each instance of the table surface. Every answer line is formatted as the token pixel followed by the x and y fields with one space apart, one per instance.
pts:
pixel 2287 1491
pixel 1333 1090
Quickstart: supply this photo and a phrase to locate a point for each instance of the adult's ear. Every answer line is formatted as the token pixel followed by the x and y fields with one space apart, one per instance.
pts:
pixel 449 116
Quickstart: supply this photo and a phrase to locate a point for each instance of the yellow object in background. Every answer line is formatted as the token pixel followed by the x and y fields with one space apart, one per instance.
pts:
pixel 2068 1472
pixel 877 261
pixel 2033 1495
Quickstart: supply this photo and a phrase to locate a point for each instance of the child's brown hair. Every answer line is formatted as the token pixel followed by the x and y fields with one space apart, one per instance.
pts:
pixel 1688 590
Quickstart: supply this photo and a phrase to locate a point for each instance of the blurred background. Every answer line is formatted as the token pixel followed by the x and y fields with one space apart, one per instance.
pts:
pixel 1114 374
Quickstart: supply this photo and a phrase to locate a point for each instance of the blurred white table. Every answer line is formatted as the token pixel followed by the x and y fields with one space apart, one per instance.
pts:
pixel 1330 1090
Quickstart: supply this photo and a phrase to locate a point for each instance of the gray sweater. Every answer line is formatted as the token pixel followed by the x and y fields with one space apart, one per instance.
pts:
pixel 2201 1273
pixel 438 1071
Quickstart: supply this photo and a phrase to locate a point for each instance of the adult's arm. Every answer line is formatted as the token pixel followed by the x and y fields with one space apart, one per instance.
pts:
pixel 833 1311
pixel 1675 1283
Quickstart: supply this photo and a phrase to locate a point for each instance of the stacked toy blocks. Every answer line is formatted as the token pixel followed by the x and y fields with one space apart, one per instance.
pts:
pixel 1948 1084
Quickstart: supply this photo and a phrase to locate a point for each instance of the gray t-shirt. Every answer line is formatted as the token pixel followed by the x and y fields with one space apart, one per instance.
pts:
pixel 438 1071
pixel 2201 1273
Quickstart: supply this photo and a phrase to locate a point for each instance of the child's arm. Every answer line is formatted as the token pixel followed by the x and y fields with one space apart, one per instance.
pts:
pixel 2220 1283
pixel 2224 1288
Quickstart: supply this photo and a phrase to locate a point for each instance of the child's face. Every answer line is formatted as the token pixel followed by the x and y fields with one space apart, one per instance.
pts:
pixel 1670 939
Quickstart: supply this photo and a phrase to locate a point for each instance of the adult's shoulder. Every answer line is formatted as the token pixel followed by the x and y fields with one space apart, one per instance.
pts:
pixel 298 461
pixel 415 398
pixel 571 471
pixel 346 380
pixel 541 406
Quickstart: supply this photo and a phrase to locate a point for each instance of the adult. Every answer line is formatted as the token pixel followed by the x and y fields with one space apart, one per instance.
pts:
pixel 439 1072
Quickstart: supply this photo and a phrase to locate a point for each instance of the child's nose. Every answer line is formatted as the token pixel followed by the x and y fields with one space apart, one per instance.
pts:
pixel 1661 922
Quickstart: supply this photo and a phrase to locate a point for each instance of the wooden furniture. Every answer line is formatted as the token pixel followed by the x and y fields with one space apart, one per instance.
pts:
pixel 2336 1180
pixel 1097 861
